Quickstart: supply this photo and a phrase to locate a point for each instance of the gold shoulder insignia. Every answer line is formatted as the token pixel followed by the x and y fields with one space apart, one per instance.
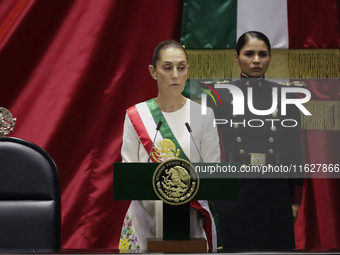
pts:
pixel 293 84
pixel 298 84
pixel 206 82
pixel 214 82
pixel 284 83
pixel 222 82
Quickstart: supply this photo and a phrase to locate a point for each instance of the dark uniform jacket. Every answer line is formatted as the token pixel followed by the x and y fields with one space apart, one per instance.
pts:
pixel 262 218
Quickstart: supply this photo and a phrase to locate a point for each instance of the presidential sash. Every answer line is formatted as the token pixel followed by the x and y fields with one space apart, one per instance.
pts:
pixel 145 117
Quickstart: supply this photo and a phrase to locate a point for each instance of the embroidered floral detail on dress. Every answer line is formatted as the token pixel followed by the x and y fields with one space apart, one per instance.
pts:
pixel 128 241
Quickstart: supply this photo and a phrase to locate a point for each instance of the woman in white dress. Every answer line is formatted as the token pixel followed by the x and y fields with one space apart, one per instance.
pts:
pixel 170 69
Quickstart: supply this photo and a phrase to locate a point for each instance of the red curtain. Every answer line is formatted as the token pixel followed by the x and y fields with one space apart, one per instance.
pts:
pixel 313 24
pixel 318 224
pixel 68 71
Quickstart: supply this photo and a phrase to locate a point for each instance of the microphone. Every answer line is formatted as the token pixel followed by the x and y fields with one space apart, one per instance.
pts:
pixel 189 130
pixel 154 139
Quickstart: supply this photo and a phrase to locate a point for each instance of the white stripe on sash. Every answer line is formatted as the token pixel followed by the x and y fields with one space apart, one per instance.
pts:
pixel 148 121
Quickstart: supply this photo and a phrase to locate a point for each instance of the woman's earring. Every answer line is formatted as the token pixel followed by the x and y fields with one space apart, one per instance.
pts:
pixel 155 78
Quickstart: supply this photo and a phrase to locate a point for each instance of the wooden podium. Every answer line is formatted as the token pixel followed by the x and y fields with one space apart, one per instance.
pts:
pixel 135 179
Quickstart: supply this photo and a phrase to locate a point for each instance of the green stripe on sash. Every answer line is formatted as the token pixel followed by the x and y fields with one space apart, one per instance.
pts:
pixel 165 129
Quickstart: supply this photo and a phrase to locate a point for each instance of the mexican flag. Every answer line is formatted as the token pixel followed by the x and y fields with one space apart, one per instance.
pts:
pixel 304 36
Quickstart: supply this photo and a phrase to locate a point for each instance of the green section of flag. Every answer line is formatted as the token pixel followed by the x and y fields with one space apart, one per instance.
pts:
pixel 209 24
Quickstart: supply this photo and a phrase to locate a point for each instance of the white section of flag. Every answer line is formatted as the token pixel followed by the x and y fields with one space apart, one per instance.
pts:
pixel 267 16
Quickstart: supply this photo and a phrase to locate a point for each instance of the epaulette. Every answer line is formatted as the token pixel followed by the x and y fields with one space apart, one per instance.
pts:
pixel 293 84
pixel 222 82
pixel 214 82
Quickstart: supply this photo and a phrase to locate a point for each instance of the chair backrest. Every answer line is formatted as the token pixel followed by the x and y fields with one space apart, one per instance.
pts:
pixel 29 198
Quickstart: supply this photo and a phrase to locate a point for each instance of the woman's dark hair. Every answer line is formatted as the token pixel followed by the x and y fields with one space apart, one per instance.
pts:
pixel 249 35
pixel 164 45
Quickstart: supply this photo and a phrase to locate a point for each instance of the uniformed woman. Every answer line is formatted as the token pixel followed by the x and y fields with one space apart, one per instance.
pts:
pixel 262 218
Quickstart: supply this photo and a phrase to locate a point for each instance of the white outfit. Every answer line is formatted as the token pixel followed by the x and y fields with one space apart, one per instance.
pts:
pixel 146 216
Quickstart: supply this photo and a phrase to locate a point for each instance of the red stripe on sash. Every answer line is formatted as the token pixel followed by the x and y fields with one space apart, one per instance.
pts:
pixel 140 128
pixel 147 143
pixel 207 221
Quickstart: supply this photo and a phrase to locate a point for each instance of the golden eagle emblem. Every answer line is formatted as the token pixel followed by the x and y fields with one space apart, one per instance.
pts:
pixel 165 149
pixel 7 122
pixel 175 181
